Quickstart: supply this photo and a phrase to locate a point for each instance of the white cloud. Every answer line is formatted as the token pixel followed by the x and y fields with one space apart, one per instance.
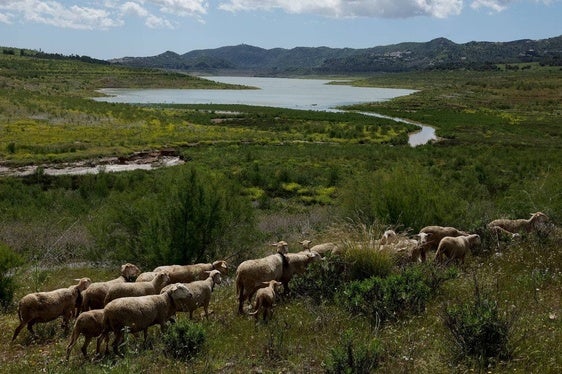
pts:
pixel 495 5
pixel 91 14
pixel 354 8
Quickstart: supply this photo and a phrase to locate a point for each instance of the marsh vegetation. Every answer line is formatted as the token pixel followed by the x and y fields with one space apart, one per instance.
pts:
pixel 254 175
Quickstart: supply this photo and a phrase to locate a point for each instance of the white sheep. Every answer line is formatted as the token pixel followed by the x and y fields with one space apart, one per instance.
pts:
pixel 265 299
pixel 139 313
pixel 94 296
pixel 89 324
pixel 433 235
pixel 251 273
pixel 129 289
pixel 47 306
pixel 389 237
pixel 193 272
pixel 456 248
pixel 323 249
pixel 513 227
pixel 405 250
pixel 201 291
pixel 297 264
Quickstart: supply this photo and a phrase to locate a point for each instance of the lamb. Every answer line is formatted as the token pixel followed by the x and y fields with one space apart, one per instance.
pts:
pixel 322 249
pixel 456 248
pixel 118 290
pixel 139 313
pixel 190 273
pixel 433 236
pixel 89 324
pixel 47 306
pixel 265 300
pixel 201 291
pixel 515 226
pixel 251 273
pixel 94 296
pixel 297 264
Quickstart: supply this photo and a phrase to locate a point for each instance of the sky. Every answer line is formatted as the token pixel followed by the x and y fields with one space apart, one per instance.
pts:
pixel 107 29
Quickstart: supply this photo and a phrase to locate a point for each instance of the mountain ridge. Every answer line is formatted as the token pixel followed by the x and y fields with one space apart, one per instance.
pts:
pixel 439 53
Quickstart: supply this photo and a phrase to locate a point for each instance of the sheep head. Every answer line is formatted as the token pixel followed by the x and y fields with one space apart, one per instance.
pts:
pixel 83 283
pixel 180 294
pixel 221 266
pixel 539 218
pixel 216 275
pixel 306 244
pixel 129 271
pixel 282 247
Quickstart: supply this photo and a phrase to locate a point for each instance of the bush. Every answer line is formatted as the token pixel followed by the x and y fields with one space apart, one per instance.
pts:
pixel 353 358
pixel 8 260
pixel 382 299
pixel 478 329
pixel 184 340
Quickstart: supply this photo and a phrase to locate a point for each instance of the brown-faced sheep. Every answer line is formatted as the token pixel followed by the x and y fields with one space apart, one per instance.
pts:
pixel 47 306
pixel 89 324
pixel 251 273
pixel 265 300
pixel 516 226
pixel 322 249
pixel 130 289
pixel 139 313
pixel 456 248
pixel 433 236
pixel 190 273
pixel 94 296
pixel 201 291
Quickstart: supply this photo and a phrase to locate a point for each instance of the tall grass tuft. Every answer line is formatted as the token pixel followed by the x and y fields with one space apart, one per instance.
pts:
pixel 351 356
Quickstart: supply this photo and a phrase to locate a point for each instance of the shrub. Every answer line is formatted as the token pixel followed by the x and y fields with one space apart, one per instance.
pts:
pixel 8 260
pixel 382 299
pixel 184 340
pixel 478 329
pixel 350 357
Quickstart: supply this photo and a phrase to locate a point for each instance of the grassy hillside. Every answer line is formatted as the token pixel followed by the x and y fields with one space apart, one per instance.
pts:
pixel 257 175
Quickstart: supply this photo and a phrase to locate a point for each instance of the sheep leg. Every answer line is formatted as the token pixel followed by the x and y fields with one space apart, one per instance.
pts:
pixel 84 348
pixel 73 339
pixel 117 341
pixel 98 345
pixel 30 328
pixel 18 329
pixel 241 301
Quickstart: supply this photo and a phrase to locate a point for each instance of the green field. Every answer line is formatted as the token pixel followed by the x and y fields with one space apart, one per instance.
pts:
pixel 256 175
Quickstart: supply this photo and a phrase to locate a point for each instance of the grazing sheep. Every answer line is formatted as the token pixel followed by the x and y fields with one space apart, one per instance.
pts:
pixel 265 300
pixel 89 324
pixel 139 313
pixel 190 273
pixel 130 289
pixel 251 273
pixel 94 296
pixel 456 248
pixel 47 306
pixel 147 276
pixel 201 291
pixel 405 250
pixel 433 236
pixel 297 264
pixel 322 249
pixel 515 226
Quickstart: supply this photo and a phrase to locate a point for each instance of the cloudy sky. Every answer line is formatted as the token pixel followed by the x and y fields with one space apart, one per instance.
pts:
pixel 115 28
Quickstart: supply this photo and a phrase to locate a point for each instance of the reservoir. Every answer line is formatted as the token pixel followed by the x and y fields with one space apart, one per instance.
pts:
pixel 291 93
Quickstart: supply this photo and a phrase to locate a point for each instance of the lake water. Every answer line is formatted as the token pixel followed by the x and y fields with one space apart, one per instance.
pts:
pixel 304 94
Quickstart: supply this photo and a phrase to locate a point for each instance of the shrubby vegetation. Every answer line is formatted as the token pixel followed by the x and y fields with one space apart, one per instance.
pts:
pixel 256 175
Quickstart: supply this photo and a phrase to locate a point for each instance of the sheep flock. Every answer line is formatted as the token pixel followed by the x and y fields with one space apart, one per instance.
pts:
pixel 135 301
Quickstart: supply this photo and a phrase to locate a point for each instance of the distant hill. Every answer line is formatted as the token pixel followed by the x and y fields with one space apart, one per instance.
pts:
pixel 439 53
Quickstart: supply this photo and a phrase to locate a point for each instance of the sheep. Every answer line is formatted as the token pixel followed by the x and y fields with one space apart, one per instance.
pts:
pixel 190 273
pixel 389 237
pixel 297 264
pixel 47 306
pixel 322 249
pixel 201 291
pixel 118 290
pixel 265 300
pixel 404 250
pixel 89 324
pixel 515 226
pixel 139 313
pixel 251 273
pixel 94 296
pixel 433 236
pixel 456 248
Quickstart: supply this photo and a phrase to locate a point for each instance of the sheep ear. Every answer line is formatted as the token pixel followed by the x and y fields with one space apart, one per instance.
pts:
pixel 265 283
